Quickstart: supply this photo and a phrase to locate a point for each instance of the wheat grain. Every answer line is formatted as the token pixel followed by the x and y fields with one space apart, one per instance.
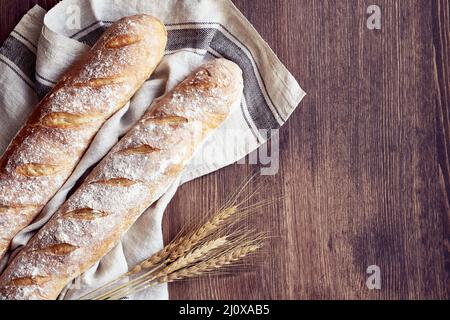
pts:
pixel 158 257
pixel 183 244
pixel 199 269
pixel 193 256
pixel 202 232
pixel 209 265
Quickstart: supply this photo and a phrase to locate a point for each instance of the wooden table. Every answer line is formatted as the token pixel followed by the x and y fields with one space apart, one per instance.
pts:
pixel 364 161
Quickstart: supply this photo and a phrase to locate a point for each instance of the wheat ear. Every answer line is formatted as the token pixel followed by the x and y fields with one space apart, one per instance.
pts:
pixel 210 265
pixel 199 269
pixel 185 243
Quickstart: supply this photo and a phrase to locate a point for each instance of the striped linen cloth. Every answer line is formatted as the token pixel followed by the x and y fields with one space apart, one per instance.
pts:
pixel 44 44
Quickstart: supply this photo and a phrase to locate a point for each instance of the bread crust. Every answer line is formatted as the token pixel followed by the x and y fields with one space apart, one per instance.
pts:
pixel 136 172
pixel 47 148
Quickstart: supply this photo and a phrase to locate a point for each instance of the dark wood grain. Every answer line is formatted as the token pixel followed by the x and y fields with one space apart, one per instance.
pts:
pixel 441 41
pixel 12 11
pixel 365 169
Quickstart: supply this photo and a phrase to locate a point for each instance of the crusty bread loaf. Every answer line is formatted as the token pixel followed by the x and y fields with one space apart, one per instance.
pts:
pixel 44 153
pixel 136 172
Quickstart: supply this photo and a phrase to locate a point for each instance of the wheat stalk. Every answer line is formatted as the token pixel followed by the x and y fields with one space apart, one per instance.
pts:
pixel 209 265
pixel 199 253
pixel 195 270
pixel 204 231
pixel 195 255
pixel 183 244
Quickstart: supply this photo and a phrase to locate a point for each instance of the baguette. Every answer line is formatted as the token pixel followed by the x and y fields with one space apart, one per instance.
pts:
pixel 46 150
pixel 136 172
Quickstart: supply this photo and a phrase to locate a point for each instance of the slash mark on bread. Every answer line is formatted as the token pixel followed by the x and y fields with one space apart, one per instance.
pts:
pixel 173 169
pixel 38 169
pixel 116 182
pixel 213 120
pixel 85 214
pixel 60 249
pixel 173 121
pixel 68 120
pixel 142 149
pixel 17 208
pixel 123 41
pixel 29 281
pixel 100 82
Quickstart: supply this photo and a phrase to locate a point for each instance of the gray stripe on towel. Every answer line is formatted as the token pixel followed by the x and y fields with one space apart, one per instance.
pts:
pixel 20 55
